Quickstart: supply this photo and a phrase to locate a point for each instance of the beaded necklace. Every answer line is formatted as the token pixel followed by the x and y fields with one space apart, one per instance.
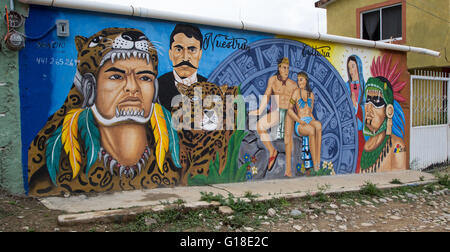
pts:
pixel 371 161
pixel 128 171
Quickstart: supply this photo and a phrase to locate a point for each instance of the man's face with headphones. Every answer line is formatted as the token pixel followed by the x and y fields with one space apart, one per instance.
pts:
pixel 126 90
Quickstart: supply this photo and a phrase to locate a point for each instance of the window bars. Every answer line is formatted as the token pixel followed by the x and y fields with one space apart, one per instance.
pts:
pixel 429 98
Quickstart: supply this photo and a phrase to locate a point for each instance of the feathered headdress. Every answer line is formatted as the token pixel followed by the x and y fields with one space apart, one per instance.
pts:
pixel 382 67
pixel 78 128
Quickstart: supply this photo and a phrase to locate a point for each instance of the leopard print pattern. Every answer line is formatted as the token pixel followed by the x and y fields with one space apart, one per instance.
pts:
pixel 92 51
pixel 99 178
pixel 197 147
pixel 200 145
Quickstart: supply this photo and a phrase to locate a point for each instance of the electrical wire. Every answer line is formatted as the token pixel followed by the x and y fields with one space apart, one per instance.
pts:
pixel 431 6
pixel 428 12
pixel 7 22
pixel 38 37
pixel 438 17
pixel 24 35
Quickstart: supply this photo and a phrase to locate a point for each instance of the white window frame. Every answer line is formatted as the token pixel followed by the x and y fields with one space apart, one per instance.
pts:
pixel 380 10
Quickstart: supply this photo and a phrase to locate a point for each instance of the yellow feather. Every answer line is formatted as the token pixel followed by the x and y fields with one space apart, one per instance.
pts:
pixel 161 134
pixel 69 139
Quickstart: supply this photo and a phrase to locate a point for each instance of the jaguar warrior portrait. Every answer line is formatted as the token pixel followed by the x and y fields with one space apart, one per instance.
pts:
pixel 110 134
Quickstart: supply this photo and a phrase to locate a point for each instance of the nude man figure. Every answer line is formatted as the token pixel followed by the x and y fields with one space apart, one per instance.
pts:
pixel 280 87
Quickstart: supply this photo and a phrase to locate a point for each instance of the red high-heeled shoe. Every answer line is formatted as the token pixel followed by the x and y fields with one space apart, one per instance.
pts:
pixel 272 158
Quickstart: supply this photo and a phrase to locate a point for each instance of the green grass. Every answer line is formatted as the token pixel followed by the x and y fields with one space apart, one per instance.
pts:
pixel 250 195
pixel 370 189
pixel 175 219
pixel 346 195
pixel 209 197
pixel 396 182
pixel 321 172
pixel 251 213
pixel 180 219
pixel 400 190
pixel 443 180
pixel 255 207
pixel 317 197
pixel 247 213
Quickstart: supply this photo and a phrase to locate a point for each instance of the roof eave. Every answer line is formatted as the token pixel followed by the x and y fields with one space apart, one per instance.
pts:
pixel 323 4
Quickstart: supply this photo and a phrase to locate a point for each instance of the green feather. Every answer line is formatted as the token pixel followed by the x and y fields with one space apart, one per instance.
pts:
pixel 174 141
pixel 90 135
pixel 53 154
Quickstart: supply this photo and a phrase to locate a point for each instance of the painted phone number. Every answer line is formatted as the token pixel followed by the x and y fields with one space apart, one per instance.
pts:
pixel 56 61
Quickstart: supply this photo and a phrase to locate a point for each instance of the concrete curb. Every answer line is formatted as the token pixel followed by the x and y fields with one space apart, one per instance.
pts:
pixel 124 215
pixel 310 186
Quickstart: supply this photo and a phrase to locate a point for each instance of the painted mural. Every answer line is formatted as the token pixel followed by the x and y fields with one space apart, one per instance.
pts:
pixel 160 104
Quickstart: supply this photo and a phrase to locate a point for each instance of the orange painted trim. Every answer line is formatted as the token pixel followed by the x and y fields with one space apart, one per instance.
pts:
pixel 380 5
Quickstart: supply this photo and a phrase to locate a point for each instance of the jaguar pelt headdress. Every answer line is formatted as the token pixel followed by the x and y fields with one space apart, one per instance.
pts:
pixel 109 44
pixel 52 172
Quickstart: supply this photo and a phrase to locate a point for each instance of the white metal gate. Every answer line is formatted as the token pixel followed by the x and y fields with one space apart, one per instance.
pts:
pixel 430 119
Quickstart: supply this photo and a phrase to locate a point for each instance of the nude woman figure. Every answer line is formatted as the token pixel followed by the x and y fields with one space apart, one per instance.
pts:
pixel 301 111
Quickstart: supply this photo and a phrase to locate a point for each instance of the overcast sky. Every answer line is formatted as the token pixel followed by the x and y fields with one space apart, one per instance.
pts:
pixel 293 14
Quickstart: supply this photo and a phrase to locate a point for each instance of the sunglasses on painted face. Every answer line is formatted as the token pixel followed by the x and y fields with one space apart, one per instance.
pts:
pixel 377 101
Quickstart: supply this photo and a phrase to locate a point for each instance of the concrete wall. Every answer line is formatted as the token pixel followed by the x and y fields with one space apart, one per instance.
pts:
pixel 76 145
pixel 425 28
pixel 429 30
pixel 341 16
pixel 11 174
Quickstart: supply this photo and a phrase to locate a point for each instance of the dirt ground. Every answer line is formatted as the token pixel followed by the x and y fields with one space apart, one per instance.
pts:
pixel 424 209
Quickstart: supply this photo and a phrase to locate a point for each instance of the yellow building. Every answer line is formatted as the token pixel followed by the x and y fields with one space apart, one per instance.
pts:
pixel 419 23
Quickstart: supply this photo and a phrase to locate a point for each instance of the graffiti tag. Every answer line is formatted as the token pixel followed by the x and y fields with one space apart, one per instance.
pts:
pixel 224 41
pixel 50 45
pixel 317 51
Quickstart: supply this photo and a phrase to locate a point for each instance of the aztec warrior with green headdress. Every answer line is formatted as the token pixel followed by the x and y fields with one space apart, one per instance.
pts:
pixel 384 121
